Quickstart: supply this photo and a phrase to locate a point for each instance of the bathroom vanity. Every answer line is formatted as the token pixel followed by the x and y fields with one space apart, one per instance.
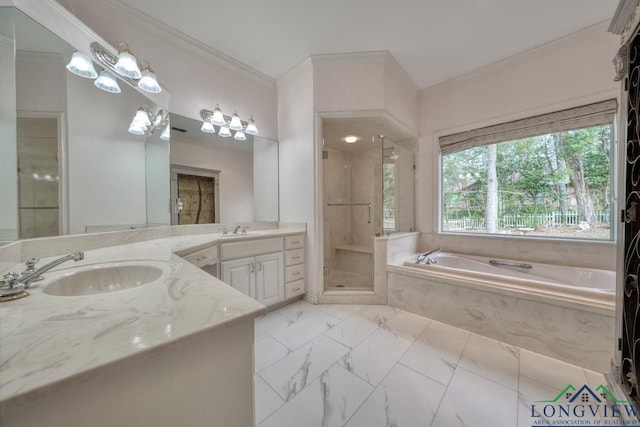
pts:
pixel 177 350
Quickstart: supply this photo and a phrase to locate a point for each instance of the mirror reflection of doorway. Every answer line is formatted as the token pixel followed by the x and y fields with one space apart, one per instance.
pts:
pixel 38 145
pixel 194 195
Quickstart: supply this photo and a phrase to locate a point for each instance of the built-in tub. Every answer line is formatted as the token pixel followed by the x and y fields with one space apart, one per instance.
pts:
pixel 588 283
pixel 563 312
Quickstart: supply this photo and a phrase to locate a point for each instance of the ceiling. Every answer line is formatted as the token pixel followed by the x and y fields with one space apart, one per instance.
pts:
pixel 433 40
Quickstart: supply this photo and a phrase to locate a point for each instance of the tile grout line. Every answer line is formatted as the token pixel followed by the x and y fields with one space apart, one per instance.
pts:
pixel 435 414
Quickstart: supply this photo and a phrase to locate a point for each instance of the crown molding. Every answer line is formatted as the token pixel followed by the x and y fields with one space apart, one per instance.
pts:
pixel 142 20
pixel 292 73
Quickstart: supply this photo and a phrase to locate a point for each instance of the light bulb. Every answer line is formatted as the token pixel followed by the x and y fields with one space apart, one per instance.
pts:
pixel 81 65
pixel 251 127
pixel 127 65
pixel 351 139
pixel 107 82
pixel 235 124
pixel 142 118
pixel 224 131
pixel 218 117
pixel 136 128
pixel 240 136
pixel 148 82
pixel 207 127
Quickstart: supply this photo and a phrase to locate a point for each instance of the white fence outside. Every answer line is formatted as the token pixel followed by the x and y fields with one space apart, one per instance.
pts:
pixel 549 219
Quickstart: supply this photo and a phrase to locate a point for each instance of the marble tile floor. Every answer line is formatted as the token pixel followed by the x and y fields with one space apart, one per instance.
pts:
pixel 368 366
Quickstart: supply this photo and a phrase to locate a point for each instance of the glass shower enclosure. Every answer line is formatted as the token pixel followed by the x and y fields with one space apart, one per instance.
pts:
pixel 368 190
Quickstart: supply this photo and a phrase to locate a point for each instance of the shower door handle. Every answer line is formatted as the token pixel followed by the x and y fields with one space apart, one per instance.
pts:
pixel 369 220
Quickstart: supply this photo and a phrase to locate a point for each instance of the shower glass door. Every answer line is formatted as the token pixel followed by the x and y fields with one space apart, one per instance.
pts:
pixel 352 209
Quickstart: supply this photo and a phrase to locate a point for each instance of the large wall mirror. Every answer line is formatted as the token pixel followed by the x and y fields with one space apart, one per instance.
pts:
pixel 69 164
pixel 221 180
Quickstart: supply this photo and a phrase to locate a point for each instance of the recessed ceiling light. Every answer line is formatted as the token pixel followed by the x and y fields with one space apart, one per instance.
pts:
pixel 351 139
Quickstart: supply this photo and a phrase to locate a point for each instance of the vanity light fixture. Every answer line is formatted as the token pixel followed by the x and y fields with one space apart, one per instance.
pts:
pixel 235 123
pixel 217 117
pixel 107 82
pixel 350 139
pixel 207 127
pixel 126 65
pixel 81 65
pixel 148 81
pixel 251 127
pixel 146 123
pixel 227 124
pixel 224 131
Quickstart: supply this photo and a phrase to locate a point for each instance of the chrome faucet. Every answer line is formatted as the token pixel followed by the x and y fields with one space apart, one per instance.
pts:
pixel 235 231
pixel 14 283
pixel 423 257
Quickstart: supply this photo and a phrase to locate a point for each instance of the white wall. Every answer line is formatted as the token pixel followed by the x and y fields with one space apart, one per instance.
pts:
pixel 236 175
pixel 106 164
pixel 298 172
pixel 571 71
pixel 265 179
pixel 196 77
pixel 365 82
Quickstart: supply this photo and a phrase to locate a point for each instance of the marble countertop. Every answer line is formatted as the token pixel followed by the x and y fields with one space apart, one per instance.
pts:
pixel 50 341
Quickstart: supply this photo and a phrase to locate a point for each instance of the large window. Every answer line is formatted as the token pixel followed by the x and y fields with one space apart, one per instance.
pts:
pixel 553 184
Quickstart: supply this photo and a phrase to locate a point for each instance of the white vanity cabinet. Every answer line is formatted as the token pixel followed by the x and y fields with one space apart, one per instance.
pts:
pixel 294 266
pixel 255 268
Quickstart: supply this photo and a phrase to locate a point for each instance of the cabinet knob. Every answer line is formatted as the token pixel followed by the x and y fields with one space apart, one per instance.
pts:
pixel 295 257
pixel 296 289
pixel 297 273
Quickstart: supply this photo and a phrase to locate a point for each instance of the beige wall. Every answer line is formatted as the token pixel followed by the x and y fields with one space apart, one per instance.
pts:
pixel 568 72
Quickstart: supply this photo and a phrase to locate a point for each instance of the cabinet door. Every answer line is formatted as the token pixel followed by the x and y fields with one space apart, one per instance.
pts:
pixel 240 274
pixel 270 278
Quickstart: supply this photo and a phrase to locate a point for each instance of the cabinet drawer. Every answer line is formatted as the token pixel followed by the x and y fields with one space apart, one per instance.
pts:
pixel 204 257
pixel 250 248
pixel 294 242
pixel 294 257
pixel 294 273
pixel 294 288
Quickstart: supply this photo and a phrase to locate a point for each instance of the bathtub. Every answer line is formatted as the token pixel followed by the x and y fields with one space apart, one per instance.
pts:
pixel 548 279
pixel 562 312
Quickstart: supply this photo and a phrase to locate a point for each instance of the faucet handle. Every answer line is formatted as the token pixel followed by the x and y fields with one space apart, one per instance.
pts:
pixel 31 264
pixel 9 280
pixel 244 229
pixel 224 230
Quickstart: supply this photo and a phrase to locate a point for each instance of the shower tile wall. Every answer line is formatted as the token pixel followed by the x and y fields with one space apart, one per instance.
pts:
pixel 337 189
pixel 351 177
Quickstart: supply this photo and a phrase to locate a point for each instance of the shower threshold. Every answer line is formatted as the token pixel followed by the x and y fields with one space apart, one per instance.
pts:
pixel 343 280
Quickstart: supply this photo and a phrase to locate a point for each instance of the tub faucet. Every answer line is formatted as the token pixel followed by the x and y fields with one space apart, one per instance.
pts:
pixel 14 283
pixel 423 256
pixel 235 231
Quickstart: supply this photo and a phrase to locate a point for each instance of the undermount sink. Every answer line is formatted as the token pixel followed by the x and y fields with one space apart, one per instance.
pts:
pixel 104 278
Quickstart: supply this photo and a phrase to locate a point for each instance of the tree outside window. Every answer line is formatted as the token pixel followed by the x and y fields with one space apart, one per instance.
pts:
pixel 554 185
